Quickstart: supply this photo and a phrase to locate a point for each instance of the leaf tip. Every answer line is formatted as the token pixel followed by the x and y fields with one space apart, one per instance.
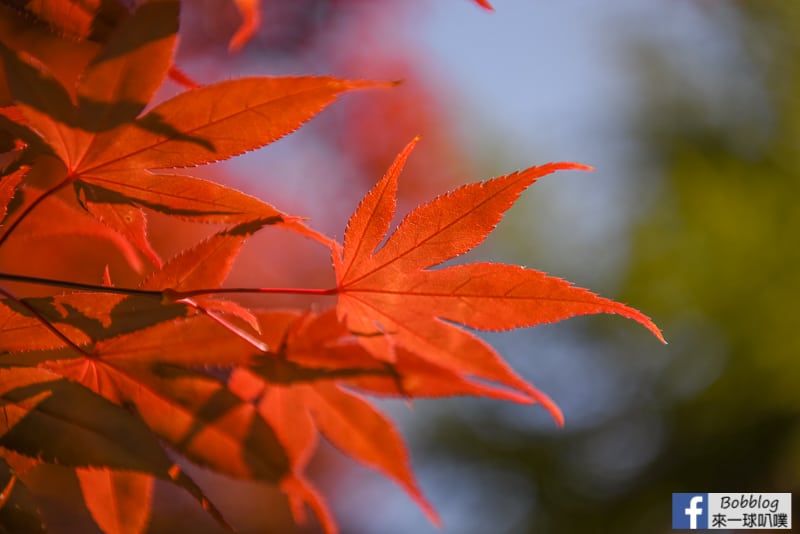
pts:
pixel 659 334
pixel 426 507
pixel 107 277
pixel 181 78
pixel 408 148
pixel 350 85
pixel 547 403
pixel 572 166
pixel 301 492
pixel 553 409
pixel 645 321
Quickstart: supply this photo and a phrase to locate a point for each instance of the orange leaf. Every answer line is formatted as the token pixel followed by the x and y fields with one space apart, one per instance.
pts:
pixel 490 296
pixel 128 221
pixel 65 57
pixel 319 347
pixel 108 152
pixel 362 432
pixel 21 331
pixel 119 501
pixel 414 377
pixel 83 429
pixel 83 317
pixel 72 222
pixel 301 491
pixel 121 80
pixel 213 123
pixel 230 308
pixel 296 391
pixel 205 265
pixel 182 196
pixel 73 18
pixel 8 188
pixel 389 297
pixel 113 90
pixel 44 102
pixel 197 340
pixel 286 411
pixel 192 412
pixel 299 412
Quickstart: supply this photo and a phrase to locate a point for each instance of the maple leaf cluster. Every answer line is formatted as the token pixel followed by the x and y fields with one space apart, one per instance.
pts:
pixel 116 382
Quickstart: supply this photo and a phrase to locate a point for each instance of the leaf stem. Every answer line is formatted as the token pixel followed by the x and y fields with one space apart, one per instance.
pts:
pixel 165 293
pixel 24 279
pixel 271 290
pixel 47 324
pixel 50 192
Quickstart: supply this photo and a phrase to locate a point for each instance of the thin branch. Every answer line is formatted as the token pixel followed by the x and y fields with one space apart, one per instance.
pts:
pixel 161 294
pixel 256 290
pixel 33 311
pixel 78 285
pixel 50 192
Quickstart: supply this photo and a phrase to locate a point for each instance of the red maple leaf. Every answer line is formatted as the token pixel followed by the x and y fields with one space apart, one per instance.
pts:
pixel 389 296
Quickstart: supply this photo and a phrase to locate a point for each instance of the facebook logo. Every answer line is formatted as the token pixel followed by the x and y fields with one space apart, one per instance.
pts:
pixel 689 510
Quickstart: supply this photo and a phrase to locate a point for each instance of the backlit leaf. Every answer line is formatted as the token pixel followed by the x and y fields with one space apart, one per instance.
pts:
pixel 121 80
pixel 389 297
pixel 206 264
pixel 128 221
pixel 84 317
pixel 119 501
pixel 115 87
pixel 83 429
pixel 8 187
pixel 46 105
pixel 359 430
pixel 191 341
pixel 192 412
pixel 213 123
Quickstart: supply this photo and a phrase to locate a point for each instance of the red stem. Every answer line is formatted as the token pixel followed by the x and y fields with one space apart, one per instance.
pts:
pixel 44 321
pixel 53 190
pixel 271 290
pixel 169 293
